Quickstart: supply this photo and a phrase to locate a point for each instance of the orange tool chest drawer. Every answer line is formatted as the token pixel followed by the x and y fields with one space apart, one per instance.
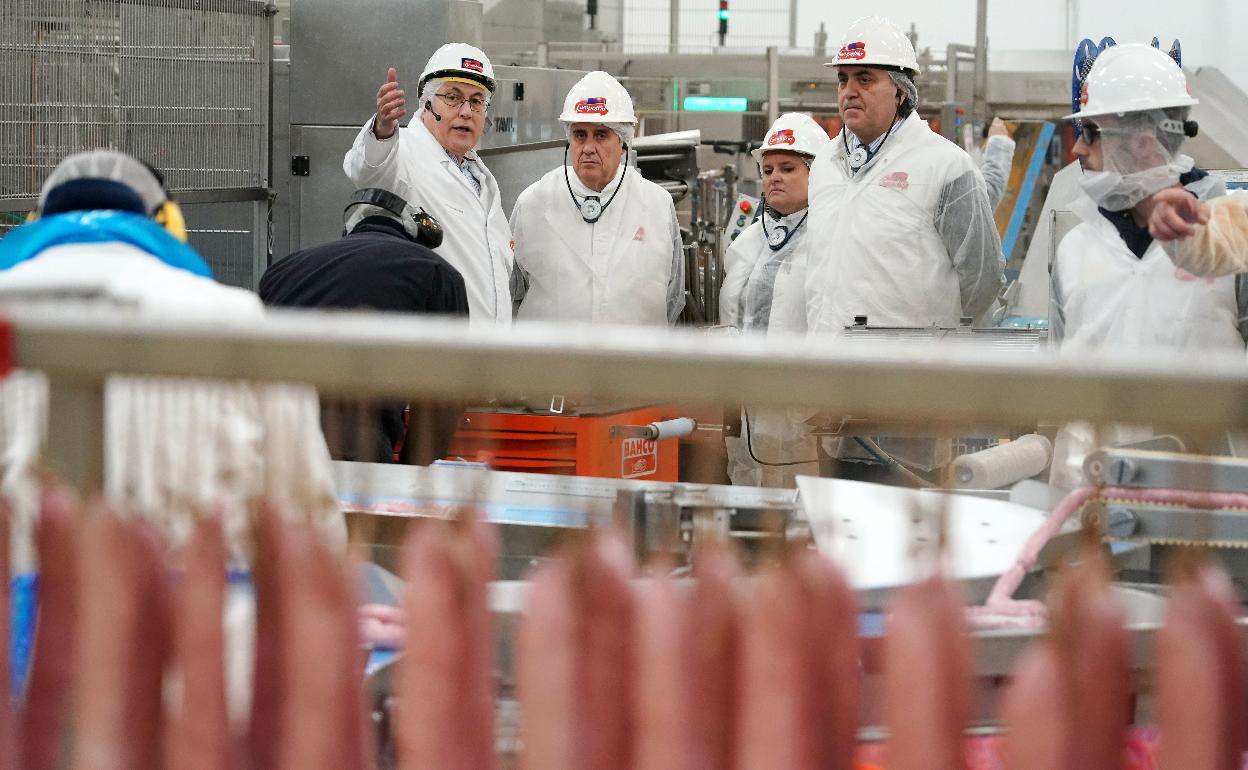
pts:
pixel 586 443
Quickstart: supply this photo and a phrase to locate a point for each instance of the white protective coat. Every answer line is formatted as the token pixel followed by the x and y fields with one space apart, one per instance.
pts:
pixel 773 304
pixel 626 268
pixel 908 241
pixel 995 161
pixel 1103 295
pixel 476 239
pixel 174 449
pixel 773 285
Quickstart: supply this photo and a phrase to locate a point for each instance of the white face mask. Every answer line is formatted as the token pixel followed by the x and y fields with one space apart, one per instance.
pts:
pixel 1114 191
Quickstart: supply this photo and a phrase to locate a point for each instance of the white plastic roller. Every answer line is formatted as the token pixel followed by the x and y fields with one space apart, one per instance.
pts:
pixel 994 468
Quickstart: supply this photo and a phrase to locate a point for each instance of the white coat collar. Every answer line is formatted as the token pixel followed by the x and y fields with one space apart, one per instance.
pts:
pixel 790 221
pixel 901 135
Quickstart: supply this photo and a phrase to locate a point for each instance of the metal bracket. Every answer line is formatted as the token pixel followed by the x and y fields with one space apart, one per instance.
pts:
pixel 1166 470
pixel 300 165
pixel 1169 524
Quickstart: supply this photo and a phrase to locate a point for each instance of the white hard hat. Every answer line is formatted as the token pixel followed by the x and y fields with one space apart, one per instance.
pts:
pixel 873 41
pixel 793 132
pixel 598 98
pixel 1132 77
pixel 462 62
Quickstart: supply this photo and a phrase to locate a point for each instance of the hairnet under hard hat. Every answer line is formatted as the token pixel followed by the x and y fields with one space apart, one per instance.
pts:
pixel 104 166
pixel 905 84
pixel 625 131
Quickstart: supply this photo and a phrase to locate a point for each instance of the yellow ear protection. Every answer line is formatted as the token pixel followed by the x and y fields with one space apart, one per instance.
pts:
pixel 428 230
pixel 169 216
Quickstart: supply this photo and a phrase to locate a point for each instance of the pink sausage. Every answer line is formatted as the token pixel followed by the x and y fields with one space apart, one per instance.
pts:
pixel 926 678
pixel 772 728
pixel 549 672
pixel 663 686
pixel 51 677
pixel 199 732
pixel 712 648
pixel 834 686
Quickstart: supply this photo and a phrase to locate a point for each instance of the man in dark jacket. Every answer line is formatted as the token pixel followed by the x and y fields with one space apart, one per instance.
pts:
pixel 384 262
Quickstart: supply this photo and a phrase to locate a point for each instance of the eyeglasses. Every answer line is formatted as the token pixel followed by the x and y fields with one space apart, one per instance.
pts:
pixel 1089 132
pixel 455 101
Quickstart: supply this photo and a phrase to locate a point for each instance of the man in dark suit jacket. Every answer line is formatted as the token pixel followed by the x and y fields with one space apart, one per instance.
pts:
pixel 385 262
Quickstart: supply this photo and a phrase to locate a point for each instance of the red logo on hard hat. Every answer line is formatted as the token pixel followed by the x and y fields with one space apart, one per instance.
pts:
pixel 1083 94
pixel 853 51
pixel 783 136
pixel 471 64
pixel 594 105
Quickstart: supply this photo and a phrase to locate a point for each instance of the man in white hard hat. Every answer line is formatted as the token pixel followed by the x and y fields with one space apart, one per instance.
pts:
pixel 433 158
pixel 901 228
pixel 597 242
pixel 764 291
pixel 1112 284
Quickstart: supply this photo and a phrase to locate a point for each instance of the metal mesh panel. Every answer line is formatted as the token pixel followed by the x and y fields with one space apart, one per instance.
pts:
pixel 182 85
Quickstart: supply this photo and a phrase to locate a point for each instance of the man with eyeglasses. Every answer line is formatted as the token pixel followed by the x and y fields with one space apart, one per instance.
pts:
pixel 1112 283
pixel 433 158
pixel 596 241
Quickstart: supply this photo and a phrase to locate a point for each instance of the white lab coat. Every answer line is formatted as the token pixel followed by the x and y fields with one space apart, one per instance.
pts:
pixel 626 268
pixel 1103 295
pixel 908 241
pixel 764 291
pixel 476 237
pixel 174 449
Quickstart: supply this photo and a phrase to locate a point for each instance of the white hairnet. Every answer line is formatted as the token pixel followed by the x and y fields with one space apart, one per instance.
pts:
pixel 111 165
pixel 905 83
pixel 625 131
pixel 1140 156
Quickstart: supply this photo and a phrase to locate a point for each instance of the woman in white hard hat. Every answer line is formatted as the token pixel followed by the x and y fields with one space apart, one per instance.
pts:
pixel 764 291
pixel 433 161
pixel 1112 284
pixel 596 241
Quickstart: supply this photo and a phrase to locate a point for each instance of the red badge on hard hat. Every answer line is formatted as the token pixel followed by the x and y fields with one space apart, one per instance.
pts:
pixel 783 136
pixel 471 64
pixel 1083 94
pixel 594 105
pixel 854 51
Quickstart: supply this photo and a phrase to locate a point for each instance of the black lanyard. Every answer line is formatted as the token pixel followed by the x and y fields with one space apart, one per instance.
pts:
pixel 593 208
pixel 779 237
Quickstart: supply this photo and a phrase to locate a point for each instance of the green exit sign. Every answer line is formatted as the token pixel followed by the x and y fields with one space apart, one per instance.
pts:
pixel 715 104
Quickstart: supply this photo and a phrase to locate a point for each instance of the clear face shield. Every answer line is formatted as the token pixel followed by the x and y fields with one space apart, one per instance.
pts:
pixel 1139 155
